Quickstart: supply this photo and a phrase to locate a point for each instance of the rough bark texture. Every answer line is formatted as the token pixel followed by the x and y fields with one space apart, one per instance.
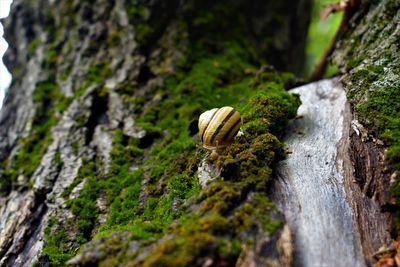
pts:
pixel 96 136
pixel 317 185
pixel 97 139
pixel 369 57
pixel 310 184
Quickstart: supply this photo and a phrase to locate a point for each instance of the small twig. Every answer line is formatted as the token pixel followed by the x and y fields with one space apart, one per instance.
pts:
pixel 349 7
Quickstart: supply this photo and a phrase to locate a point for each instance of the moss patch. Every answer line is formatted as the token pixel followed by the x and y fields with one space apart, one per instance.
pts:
pixel 57 250
pixel 151 190
pixel 236 203
pixel 371 60
pixel 50 103
pixel 146 192
pixel 229 207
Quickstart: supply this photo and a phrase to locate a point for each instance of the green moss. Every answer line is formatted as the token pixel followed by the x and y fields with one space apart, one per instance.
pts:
pixel 151 189
pixel 5 181
pixel 50 102
pixel 123 192
pixel 225 209
pixel 119 178
pixel 383 108
pixel 51 59
pixel 84 207
pixel 58 161
pixel 381 114
pixel 196 238
pixel 145 201
pixel 183 186
pixel 56 250
pixel 139 17
pixel 32 47
pixel 373 82
pixel 95 75
pixel 170 170
pixel 354 62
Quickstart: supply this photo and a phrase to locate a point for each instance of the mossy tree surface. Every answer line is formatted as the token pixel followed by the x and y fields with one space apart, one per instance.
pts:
pixel 369 57
pixel 214 222
pixel 144 206
pixel 150 200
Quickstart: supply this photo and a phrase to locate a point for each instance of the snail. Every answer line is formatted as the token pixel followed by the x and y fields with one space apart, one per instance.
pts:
pixel 218 127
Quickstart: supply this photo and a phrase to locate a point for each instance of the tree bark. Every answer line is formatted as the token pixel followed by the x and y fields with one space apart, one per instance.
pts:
pixel 84 73
pixel 368 57
pixel 98 146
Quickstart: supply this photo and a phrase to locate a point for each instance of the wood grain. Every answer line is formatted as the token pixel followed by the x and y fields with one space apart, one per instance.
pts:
pixel 333 221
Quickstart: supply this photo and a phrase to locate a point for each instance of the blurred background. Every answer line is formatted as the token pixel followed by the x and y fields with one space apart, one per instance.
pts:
pixel 320 34
pixel 5 76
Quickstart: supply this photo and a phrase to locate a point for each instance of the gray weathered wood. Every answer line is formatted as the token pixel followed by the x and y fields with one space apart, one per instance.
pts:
pixel 314 185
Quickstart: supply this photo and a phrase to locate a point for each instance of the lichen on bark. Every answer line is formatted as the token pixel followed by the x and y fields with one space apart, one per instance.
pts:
pixel 369 58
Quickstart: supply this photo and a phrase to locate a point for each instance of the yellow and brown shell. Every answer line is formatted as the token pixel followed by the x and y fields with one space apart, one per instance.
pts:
pixel 218 127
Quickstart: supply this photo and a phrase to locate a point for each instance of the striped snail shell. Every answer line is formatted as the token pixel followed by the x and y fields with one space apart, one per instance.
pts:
pixel 218 127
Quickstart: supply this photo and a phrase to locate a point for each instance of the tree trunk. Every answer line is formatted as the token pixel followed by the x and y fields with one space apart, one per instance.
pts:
pixel 97 130
pixel 369 57
pixel 350 168
pixel 98 141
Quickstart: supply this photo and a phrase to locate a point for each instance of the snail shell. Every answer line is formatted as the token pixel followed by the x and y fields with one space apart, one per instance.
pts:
pixel 218 127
